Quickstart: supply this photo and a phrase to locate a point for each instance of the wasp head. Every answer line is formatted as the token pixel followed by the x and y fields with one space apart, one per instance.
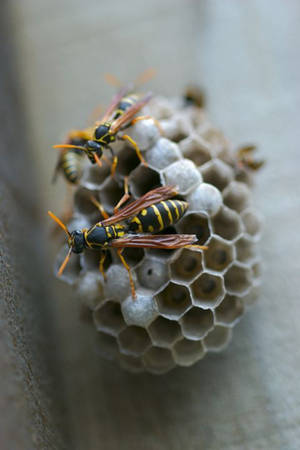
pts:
pixel 76 241
pixel 93 148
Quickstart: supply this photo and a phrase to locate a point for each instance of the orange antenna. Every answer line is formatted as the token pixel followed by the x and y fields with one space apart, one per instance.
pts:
pixel 69 146
pixel 112 80
pixel 65 262
pixel 62 225
pixel 145 76
pixel 98 161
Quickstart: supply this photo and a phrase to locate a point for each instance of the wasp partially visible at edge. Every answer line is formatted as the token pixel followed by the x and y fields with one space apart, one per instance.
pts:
pixel 245 158
pixel 151 213
pixel 118 116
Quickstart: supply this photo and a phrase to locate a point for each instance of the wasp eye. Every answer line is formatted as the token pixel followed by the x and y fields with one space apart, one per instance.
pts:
pixel 93 146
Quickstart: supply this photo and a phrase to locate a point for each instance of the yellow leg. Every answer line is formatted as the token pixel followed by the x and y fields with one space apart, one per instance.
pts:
pixel 125 197
pixel 137 119
pixel 101 265
pixel 125 137
pixel 100 207
pixel 133 294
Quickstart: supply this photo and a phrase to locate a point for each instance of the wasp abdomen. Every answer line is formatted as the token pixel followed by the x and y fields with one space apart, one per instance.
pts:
pixel 71 165
pixel 158 216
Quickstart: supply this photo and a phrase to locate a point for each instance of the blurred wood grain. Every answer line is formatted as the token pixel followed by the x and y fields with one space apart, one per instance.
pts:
pixel 246 56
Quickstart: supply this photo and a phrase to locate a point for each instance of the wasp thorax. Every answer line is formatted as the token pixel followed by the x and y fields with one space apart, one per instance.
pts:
pixel 76 241
pixel 101 131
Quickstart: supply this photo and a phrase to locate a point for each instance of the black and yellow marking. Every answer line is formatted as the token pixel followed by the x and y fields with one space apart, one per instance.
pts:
pixel 100 236
pixel 158 217
pixel 71 165
pixel 125 104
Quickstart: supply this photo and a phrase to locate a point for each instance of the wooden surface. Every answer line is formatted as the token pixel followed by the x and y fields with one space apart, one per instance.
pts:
pixel 246 54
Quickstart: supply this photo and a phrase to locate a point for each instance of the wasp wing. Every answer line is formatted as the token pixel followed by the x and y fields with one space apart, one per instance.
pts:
pixel 115 101
pixel 154 196
pixel 128 115
pixel 164 241
pixel 245 150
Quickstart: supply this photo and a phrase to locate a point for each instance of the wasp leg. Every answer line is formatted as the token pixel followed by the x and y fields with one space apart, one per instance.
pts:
pixel 119 251
pixel 125 137
pixel 114 162
pixel 101 265
pixel 137 119
pixel 125 197
pixel 100 207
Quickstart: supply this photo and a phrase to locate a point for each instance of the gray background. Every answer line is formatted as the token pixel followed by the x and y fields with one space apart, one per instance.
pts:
pixel 246 55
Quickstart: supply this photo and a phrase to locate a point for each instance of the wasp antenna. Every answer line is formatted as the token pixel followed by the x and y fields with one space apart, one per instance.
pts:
pixel 112 80
pixel 69 146
pixel 65 262
pixel 98 160
pixel 60 223
pixel 145 76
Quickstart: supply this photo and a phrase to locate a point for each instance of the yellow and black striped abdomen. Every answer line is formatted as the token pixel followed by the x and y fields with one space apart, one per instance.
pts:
pixel 158 217
pixel 71 165
pixel 125 104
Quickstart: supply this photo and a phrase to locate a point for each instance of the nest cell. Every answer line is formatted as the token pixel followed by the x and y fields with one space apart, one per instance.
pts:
pixel 229 311
pixel 216 138
pixel 90 289
pixel 218 338
pixel 236 196
pixel 217 173
pixel 164 153
pixel 188 352
pixel 131 363
pixel 207 290
pixel 183 174
pixel 152 273
pixel 194 223
pixel 142 180
pixel 173 301
pixel 196 323
pixel 111 194
pixel 245 249
pixel 195 149
pixel 158 360
pixel 117 284
pixel 164 332
pixel 83 204
pixel 108 318
pixel 134 341
pixel 187 266
pixel 206 199
pixel 94 176
pixel 141 311
pixel 227 224
pixel 238 279
pixel 219 254
pixel 252 222
pixel 127 161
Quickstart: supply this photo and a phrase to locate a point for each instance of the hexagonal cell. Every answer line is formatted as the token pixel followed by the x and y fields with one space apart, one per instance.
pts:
pixel 111 194
pixel 196 323
pixel 216 138
pixel 187 266
pixel 117 284
pixel 245 249
pixel 206 198
pixel 145 133
pixel 172 128
pixel 152 273
pixel 142 311
pixel 164 153
pixel 195 223
pixel 133 256
pixel 236 196
pixel 131 363
pixel 217 173
pixel 158 360
pixel 160 107
pixel 218 339
pixel 238 279
pixel 134 341
pixel 83 204
pixel 73 268
pixel 108 318
pixel 164 332
pixel 182 173
pixel 173 301
pixel 253 222
pixel 142 180
pixel 188 352
pixel 229 311
pixel 227 223
pixel 208 290
pixel 195 149
pixel 107 346
pixel 219 254
pixel 93 175
pixel 90 288
pixel 127 161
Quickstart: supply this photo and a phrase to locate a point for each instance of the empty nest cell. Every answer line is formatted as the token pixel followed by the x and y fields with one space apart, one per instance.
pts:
pixel 195 149
pixel 238 279
pixel 229 311
pixel 187 266
pixel 134 341
pixel 227 224
pixel 219 254
pixel 217 173
pixel 195 223
pixel 196 323
pixel 207 290
pixel 158 360
pixel 142 180
pixel 164 332
pixel 188 352
pixel 236 196
pixel 108 318
pixel 174 300
pixel 218 338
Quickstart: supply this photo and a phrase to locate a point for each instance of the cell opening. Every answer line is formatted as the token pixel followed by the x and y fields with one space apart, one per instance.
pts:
pixel 207 290
pixel 218 338
pixel 217 173
pixel 187 266
pixel 158 360
pixel 227 224
pixel 238 279
pixel 229 311
pixel 164 332
pixel 195 224
pixel 143 179
pixel 174 300
pixel 187 352
pixel 219 255
pixel 134 340
pixel 108 318
pixel 127 161
pixel 196 323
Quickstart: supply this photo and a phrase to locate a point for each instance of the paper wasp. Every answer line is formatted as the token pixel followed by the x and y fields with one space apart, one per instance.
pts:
pixel 194 95
pixel 245 159
pixel 130 227
pixel 119 116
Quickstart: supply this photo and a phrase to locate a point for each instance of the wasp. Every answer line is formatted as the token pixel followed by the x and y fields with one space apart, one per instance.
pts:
pixel 117 117
pixel 131 226
pixel 194 95
pixel 70 161
pixel 245 159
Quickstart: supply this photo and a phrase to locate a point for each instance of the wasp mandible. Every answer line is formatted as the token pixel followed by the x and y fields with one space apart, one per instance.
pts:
pixel 131 227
